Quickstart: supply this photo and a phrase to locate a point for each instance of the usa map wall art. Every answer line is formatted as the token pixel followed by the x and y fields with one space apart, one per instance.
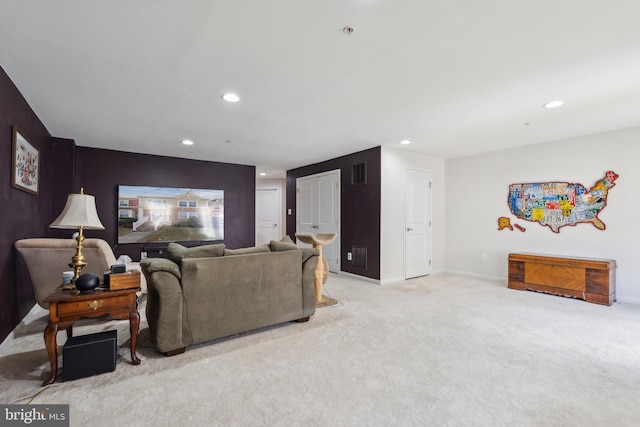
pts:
pixel 558 204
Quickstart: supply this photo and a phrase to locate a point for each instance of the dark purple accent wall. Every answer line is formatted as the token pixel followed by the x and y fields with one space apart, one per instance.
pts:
pixel 23 214
pixel 100 172
pixel 64 161
pixel 64 168
pixel 359 203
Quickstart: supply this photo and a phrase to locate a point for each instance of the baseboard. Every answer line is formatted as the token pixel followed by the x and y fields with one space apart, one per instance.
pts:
pixel 362 278
pixel 479 276
pixel 400 279
pixel 628 300
pixel 9 339
pixel 392 281
pixel 7 342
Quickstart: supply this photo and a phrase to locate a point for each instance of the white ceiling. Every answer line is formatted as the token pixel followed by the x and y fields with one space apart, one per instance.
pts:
pixel 455 77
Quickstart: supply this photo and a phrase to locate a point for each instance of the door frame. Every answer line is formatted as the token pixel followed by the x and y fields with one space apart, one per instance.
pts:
pixel 338 173
pixel 404 218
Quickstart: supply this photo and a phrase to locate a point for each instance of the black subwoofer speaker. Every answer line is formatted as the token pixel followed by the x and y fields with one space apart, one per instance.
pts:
pixel 88 355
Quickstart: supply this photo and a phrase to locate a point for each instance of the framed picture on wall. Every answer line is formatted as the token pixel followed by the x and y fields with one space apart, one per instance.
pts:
pixel 25 164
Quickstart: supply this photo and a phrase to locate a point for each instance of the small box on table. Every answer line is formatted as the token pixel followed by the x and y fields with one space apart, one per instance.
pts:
pixel 127 280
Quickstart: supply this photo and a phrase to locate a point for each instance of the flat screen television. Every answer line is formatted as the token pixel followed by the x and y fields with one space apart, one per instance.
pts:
pixel 163 214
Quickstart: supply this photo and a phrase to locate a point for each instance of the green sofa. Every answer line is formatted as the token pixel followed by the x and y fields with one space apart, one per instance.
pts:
pixel 207 292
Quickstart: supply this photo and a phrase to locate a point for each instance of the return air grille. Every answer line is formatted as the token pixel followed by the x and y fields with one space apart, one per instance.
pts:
pixel 359 173
pixel 359 256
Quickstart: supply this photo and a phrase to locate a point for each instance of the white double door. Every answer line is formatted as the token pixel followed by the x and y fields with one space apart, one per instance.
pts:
pixel 318 211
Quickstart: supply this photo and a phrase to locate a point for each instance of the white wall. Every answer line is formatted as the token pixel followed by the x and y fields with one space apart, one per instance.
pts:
pixel 476 195
pixel 394 163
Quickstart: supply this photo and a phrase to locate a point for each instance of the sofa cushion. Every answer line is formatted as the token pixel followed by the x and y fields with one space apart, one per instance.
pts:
pixel 245 251
pixel 277 246
pixel 287 239
pixel 176 252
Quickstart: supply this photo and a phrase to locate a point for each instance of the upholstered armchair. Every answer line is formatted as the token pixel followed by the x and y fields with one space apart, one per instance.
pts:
pixel 46 259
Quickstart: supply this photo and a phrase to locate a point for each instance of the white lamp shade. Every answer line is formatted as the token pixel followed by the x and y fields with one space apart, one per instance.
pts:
pixel 80 211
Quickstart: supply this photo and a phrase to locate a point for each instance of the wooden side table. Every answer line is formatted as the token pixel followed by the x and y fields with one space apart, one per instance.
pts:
pixel 65 309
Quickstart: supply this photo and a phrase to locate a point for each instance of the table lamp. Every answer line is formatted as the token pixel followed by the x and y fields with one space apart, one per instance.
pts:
pixel 79 213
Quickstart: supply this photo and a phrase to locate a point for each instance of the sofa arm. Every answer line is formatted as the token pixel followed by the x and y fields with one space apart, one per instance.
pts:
pixel 310 259
pixel 308 253
pixel 154 265
pixel 165 307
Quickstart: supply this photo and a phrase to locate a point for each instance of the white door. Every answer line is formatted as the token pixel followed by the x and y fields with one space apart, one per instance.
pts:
pixel 417 222
pixel 318 211
pixel 268 225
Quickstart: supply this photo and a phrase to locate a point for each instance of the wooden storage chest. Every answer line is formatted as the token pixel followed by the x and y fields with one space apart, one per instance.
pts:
pixel 592 280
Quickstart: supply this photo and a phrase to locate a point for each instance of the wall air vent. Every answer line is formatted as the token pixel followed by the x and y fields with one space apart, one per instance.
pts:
pixel 359 173
pixel 359 256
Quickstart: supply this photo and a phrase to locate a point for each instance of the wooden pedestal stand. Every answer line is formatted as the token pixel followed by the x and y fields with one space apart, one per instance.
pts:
pixel 318 240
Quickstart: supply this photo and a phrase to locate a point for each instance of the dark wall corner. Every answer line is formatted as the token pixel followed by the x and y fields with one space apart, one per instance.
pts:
pixel 64 168
pixel 24 215
pixel 64 165
pixel 360 206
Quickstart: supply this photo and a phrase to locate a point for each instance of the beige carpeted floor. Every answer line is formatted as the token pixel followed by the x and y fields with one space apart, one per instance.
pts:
pixel 443 350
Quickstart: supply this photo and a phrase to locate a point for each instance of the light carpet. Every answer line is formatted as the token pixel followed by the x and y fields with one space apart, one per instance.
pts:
pixel 442 350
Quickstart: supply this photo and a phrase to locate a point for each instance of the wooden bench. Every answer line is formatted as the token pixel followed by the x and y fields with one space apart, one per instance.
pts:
pixel 592 280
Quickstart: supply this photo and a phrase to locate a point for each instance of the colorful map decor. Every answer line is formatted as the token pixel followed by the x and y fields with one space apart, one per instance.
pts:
pixel 504 222
pixel 556 204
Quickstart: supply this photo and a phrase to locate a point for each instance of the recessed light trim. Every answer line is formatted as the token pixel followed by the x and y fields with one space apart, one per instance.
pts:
pixel 187 142
pixel 553 104
pixel 405 142
pixel 231 97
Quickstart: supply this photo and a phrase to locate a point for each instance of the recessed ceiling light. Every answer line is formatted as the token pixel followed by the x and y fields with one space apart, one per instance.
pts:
pixel 263 174
pixel 187 142
pixel 231 97
pixel 405 142
pixel 553 104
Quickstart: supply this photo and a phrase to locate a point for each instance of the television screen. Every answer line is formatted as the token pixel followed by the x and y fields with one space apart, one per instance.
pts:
pixel 161 214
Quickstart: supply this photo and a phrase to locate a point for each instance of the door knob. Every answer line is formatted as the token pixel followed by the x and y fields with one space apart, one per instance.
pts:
pixel 409 229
